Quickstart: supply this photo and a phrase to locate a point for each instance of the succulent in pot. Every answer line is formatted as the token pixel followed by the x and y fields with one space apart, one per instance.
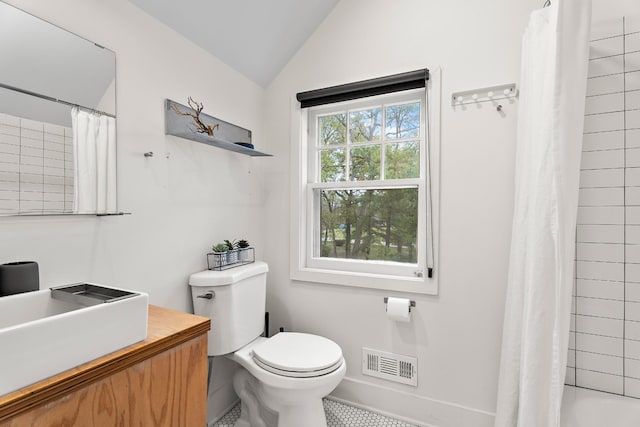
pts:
pixel 220 247
pixel 219 255
pixel 243 246
pixel 232 252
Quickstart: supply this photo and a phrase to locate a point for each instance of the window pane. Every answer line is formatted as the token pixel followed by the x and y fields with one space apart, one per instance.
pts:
pixel 332 165
pixel 365 163
pixel 378 225
pixel 365 125
pixel 403 121
pixel 402 160
pixel 333 129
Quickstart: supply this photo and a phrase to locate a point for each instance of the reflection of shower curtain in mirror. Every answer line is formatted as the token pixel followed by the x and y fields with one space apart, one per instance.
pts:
pixel 94 152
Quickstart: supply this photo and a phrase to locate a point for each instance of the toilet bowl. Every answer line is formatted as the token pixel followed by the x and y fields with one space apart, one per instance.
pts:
pixel 285 381
pixel 282 379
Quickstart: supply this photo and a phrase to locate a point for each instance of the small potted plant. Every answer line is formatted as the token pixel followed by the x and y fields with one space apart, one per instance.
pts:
pixel 242 245
pixel 232 252
pixel 219 254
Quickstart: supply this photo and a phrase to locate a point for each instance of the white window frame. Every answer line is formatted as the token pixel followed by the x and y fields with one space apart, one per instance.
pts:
pixel 393 276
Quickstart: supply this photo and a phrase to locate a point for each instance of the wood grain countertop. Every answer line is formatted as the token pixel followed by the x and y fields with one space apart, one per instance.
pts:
pixel 166 329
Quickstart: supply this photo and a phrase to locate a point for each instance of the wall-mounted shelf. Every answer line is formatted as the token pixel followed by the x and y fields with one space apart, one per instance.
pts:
pixel 227 135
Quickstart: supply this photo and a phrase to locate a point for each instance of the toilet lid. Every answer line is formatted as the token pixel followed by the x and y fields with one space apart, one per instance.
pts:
pixel 296 354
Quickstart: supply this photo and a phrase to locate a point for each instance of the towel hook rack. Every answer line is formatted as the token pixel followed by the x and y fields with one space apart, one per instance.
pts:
pixel 491 93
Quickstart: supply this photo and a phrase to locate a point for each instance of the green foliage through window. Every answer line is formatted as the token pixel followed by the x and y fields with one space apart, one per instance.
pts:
pixel 369 155
pixel 369 224
pixel 368 214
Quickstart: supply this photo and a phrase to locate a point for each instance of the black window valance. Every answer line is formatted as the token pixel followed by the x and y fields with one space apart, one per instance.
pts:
pixel 378 86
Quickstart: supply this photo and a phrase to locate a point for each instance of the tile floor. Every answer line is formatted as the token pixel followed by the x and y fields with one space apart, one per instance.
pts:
pixel 338 415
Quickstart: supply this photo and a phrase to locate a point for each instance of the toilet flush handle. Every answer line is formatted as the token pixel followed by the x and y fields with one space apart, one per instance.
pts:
pixel 208 295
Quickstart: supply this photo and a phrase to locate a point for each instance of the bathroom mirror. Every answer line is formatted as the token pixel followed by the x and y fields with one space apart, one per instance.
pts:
pixel 57 120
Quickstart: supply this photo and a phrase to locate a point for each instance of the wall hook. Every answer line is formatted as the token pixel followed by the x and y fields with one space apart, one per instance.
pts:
pixel 499 107
pixel 148 154
pixel 492 93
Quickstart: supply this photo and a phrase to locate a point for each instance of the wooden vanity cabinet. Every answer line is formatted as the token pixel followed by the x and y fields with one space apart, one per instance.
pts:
pixel 161 381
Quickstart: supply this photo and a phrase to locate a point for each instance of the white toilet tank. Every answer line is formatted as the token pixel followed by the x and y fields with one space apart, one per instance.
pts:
pixel 236 307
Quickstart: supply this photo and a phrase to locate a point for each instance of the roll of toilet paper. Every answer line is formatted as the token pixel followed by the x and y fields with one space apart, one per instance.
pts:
pixel 398 309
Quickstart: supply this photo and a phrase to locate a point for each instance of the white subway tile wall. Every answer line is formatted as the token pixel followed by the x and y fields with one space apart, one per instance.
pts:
pixel 606 66
pixel 36 167
pixel 610 84
pixel 604 344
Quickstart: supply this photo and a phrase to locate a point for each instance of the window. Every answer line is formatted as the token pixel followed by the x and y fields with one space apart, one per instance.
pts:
pixel 362 194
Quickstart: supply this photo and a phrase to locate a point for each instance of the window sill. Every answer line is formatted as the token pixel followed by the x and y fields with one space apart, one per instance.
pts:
pixel 416 285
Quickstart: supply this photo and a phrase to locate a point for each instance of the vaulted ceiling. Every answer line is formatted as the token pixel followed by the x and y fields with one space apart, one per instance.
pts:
pixel 255 37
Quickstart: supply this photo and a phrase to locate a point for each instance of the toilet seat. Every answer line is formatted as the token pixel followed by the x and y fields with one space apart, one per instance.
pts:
pixel 298 355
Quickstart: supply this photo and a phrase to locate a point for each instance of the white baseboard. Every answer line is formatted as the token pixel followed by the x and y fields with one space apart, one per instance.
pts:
pixel 409 407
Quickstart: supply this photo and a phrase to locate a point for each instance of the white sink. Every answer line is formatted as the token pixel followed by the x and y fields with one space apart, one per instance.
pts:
pixel 41 336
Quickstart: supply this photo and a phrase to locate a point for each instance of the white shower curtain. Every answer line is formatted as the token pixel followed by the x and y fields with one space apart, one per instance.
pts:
pixel 94 154
pixel 549 142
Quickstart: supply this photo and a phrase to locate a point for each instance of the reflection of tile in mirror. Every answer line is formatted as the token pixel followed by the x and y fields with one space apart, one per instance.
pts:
pixel 36 167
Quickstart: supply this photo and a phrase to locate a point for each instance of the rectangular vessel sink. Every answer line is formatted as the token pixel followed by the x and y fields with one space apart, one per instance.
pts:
pixel 43 333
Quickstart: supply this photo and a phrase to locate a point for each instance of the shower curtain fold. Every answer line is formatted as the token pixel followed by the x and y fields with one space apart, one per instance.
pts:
pixel 547 168
pixel 94 155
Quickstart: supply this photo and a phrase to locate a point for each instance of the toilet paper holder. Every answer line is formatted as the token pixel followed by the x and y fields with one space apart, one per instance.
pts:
pixel 412 303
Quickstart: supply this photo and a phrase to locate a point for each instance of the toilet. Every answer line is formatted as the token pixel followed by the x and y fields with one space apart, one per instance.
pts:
pixel 282 379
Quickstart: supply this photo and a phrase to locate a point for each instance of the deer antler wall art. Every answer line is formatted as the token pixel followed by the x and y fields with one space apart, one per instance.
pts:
pixel 196 108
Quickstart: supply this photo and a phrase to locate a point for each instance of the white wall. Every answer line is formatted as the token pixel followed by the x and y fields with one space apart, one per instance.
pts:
pixel 180 205
pixel 456 336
